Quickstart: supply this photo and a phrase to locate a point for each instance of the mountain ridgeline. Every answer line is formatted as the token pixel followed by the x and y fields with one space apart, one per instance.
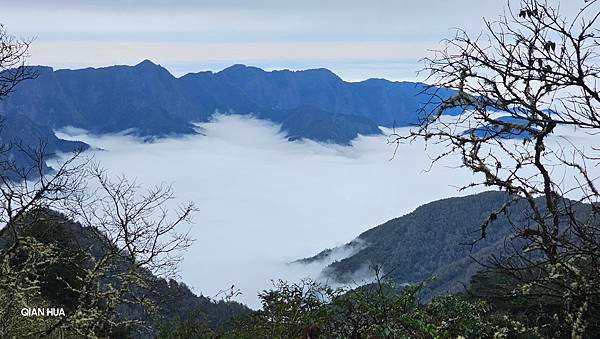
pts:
pixel 432 241
pixel 24 143
pixel 314 104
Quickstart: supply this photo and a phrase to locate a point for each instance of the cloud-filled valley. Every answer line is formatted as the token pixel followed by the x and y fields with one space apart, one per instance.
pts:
pixel 264 201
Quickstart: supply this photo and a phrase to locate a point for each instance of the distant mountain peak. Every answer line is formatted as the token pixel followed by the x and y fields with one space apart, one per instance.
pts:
pixel 149 67
pixel 245 69
pixel 41 69
pixel 376 81
pixel 238 68
pixel 321 71
pixel 147 63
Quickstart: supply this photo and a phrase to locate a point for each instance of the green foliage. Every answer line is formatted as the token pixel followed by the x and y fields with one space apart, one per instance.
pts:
pixel 49 266
pixel 184 328
pixel 539 311
pixel 180 310
pixel 456 316
pixel 60 279
pixel 381 310
pixel 20 288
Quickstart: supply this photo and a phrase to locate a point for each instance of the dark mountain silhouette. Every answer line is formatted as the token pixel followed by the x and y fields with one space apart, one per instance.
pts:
pixel 312 123
pixel 22 141
pixel 150 101
pixel 112 99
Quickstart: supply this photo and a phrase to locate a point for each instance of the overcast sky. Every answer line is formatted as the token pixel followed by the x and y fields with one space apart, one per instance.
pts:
pixel 356 39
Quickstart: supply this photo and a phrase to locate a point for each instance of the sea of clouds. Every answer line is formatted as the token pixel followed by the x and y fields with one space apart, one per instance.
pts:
pixel 264 202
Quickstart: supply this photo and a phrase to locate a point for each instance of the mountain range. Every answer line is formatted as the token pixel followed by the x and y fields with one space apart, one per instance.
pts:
pixel 148 101
pixel 148 98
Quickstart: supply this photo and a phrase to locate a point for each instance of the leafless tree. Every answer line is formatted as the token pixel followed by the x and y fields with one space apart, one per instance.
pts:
pixel 531 74
pixel 13 54
pixel 131 238
pixel 126 235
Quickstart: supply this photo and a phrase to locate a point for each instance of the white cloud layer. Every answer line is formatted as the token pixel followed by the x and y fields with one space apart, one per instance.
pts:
pixel 265 201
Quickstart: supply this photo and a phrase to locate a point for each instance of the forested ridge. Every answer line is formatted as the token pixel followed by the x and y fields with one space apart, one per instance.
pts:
pixel 477 299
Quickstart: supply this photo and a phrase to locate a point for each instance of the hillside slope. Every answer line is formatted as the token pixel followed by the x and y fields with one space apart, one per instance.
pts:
pixel 432 241
pixel 73 243
pixel 22 141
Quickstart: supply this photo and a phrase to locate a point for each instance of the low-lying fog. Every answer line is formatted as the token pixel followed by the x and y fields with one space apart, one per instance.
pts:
pixel 265 201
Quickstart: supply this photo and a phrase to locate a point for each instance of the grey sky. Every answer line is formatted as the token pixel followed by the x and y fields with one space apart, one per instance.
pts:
pixel 357 39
